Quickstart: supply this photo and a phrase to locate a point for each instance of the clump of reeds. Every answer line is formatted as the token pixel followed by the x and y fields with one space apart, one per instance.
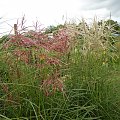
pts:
pixel 66 76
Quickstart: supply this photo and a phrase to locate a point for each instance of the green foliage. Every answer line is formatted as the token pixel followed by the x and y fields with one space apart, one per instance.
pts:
pixel 4 38
pixel 52 29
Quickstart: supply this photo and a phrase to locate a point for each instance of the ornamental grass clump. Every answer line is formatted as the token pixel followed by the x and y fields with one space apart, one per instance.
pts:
pixel 35 49
pixel 71 74
pixel 94 38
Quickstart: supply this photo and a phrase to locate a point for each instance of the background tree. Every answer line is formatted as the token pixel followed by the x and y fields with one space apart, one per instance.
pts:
pixel 112 24
pixel 53 29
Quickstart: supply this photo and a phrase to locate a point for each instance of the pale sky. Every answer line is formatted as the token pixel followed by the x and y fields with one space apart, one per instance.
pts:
pixel 52 12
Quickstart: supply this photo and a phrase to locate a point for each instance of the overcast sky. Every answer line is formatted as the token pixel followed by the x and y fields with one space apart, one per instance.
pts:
pixel 51 12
